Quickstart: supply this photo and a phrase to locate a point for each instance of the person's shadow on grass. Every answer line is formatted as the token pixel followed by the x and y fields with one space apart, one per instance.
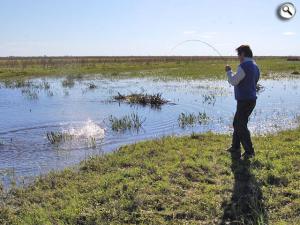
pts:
pixel 246 205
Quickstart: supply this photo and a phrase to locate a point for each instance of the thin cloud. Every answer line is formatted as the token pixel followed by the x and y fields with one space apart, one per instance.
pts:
pixel 289 33
pixel 187 32
pixel 208 34
pixel 200 34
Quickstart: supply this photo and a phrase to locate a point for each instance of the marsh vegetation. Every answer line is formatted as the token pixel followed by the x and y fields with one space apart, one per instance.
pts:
pixel 128 122
pixel 92 85
pixel 259 88
pixel 58 137
pixel 173 66
pixel 154 100
pixel 190 119
pixel 68 82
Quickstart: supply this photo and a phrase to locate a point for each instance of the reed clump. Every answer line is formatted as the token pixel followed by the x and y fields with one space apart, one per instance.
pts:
pixel 58 137
pixel 259 88
pixel 209 99
pixel 191 119
pixel 68 82
pixel 127 122
pixel 154 100
pixel 91 86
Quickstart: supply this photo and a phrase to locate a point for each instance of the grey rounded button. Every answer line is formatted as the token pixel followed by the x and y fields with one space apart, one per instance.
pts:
pixel 287 10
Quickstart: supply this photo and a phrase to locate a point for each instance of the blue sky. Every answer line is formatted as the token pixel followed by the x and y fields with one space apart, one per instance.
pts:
pixel 144 27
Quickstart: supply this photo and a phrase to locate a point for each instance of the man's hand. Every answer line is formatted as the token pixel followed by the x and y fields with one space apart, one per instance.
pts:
pixel 227 68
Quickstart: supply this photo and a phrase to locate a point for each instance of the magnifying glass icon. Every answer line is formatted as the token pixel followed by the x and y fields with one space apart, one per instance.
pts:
pixel 287 10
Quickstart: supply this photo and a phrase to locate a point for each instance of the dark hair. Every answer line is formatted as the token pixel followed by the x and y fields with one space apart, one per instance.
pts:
pixel 246 50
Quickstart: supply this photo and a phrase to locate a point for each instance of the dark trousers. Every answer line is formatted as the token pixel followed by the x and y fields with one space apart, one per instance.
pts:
pixel 241 134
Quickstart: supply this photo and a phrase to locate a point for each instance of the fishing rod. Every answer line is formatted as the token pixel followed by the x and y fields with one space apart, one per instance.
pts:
pixel 203 42
pixel 258 86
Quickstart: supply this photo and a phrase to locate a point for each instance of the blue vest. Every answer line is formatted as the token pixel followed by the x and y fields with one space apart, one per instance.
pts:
pixel 246 89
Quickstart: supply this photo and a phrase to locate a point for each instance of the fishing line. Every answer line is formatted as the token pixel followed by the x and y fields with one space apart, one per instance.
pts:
pixel 203 42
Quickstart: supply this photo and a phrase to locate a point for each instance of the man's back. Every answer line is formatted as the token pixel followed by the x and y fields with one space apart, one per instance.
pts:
pixel 246 89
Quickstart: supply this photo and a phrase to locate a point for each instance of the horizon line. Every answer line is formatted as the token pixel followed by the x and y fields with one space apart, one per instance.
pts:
pixel 136 56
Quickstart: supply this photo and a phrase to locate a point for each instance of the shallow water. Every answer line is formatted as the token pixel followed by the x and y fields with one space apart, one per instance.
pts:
pixel 28 113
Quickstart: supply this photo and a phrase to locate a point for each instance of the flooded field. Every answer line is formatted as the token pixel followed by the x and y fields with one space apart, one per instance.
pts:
pixel 49 124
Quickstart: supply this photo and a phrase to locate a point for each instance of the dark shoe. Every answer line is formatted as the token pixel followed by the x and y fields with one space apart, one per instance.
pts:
pixel 234 152
pixel 248 155
pixel 232 149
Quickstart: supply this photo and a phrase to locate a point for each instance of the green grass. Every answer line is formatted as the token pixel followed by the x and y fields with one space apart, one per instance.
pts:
pixel 172 180
pixel 160 67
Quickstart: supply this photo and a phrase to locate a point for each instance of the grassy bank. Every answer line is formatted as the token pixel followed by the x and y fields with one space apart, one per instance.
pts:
pixel 173 180
pixel 183 67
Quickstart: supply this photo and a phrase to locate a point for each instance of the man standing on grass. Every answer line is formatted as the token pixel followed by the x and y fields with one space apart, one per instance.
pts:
pixel 244 82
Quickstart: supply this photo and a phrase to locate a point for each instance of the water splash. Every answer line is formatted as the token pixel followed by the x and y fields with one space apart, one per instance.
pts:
pixel 89 130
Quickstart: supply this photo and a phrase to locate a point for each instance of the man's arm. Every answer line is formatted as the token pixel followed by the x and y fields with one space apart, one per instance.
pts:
pixel 235 79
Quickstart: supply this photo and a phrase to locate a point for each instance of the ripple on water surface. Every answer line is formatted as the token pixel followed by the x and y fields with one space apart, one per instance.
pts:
pixel 82 110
